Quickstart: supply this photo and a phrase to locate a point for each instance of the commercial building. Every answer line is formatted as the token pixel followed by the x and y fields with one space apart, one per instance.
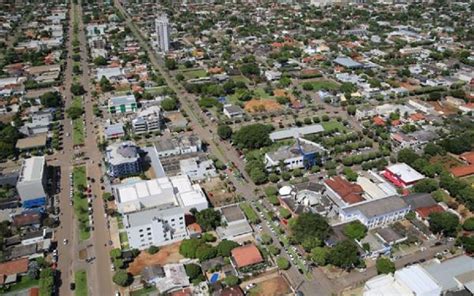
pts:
pixel 296 132
pixel 453 275
pixel 197 168
pixel 236 226
pixel 162 28
pixel 123 159
pixel 184 144
pixel 402 175
pixel 377 212
pixel 122 104
pixel 153 210
pixel 147 120
pixel 31 184
pixel 374 186
pixel 303 154
pixel 113 131
pixel 342 192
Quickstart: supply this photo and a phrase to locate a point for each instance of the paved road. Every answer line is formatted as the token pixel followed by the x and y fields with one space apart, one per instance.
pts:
pixel 98 272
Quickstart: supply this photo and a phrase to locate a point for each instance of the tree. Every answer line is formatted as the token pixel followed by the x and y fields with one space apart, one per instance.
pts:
pixel 320 255
pixel 344 254
pixel 188 247
pixel 100 61
pixel 384 266
pixel 171 64
pixel 153 250
pixel 118 263
pixel 46 281
pixel 426 185
pixel 51 99
pixel 224 131
pixel 77 89
pixel 355 230
pixel 116 253
pixel 169 104
pixel 225 247
pixel 208 237
pixel 468 224
pixel 74 112
pixel 351 110
pixel 433 149
pixel 274 250
pixel 231 280
pixel 310 225
pixel 107 196
pixel 446 223
pixel 122 278
pixel 266 239
pixel 407 156
pixel 208 219
pixel 285 213
pixel 282 263
pixel 311 242
pixel 253 136
pixel 258 176
pixel 105 84
pixel 468 243
pixel 193 271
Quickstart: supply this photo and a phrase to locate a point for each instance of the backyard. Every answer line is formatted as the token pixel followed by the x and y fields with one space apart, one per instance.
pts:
pixel 80 201
pixel 271 287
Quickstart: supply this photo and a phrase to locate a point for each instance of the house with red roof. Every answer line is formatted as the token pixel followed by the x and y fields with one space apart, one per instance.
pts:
pixel 424 212
pixel 9 271
pixel 343 192
pixel 246 256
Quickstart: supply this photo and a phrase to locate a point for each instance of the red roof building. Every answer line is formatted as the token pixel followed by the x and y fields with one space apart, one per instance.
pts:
pixel 425 212
pixel 377 120
pixel 348 192
pixel 13 267
pixel 468 157
pixel 462 171
pixel 246 255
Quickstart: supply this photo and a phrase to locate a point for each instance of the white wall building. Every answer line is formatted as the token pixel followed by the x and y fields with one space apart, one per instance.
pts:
pixel 197 169
pixel 147 120
pixel 32 182
pixel 162 28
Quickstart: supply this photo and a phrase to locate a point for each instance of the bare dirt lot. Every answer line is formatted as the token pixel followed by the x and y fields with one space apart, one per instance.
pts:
pixel 218 192
pixel 271 287
pixel 262 105
pixel 167 254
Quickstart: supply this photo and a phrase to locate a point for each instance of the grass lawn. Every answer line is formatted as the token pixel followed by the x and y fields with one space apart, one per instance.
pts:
pixel 325 85
pixel 123 240
pixel 25 283
pixel 240 78
pixel 80 201
pixel 78 131
pixel 194 73
pixel 261 93
pixel 77 102
pixel 80 278
pixel 332 125
pixel 249 213
pixel 143 292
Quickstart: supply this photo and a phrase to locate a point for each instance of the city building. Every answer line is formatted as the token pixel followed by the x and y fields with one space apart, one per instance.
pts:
pixel 453 275
pixel 303 154
pixel 376 212
pixel 236 226
pixel 123 159
pixel 31 184
pixel 197 168
pixel 402 175
pixel 114 131
pixel 184 144
pixel 342 192
pixel 122 104
pixel 147 120
pixel 162 28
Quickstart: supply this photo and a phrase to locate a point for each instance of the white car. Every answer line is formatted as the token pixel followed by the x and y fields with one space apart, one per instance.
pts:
pixel 65 241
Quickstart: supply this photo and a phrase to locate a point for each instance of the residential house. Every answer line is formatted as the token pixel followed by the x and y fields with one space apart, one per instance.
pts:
pixel 233 111
pixel 246 256
pixel 9 271
pixel 236 226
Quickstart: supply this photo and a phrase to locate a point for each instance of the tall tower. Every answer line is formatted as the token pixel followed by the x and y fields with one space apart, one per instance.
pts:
pixel 162 28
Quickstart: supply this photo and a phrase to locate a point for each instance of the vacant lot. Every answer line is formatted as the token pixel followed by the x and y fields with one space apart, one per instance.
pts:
pixel 324 85
pixel 166 254
pixel 447 161
pixel 263 105
pixel 193 73
pixel 218 193
pixel 272 287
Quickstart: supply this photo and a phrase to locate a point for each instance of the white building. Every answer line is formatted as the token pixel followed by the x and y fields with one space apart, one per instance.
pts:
pixel 32 182
pixel 154 210
pixel 122 104
pixel 272 75
pixel 232 111
pixel 376 212
pixel 303 154
pixel 197 169
pixel 162 28
pixel 147 120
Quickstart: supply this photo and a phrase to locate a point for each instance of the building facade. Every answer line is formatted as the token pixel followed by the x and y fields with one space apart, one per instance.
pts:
pixel 123 159
pixel 31 185
pixel 162 28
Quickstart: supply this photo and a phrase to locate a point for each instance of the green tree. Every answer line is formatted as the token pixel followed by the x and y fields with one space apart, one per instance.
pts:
pixel 468 224
pixel 468 243
pixel 285 213
pixel 105 84
pixel 344 254
pixel 310 225
pixel 225 247
pixel 266 239
pixel 320 255
pixel 153 250
pixel 355 230
pixel 445 223
pixel 100 61
pixel 122 278
pixel 77 89
pixel 193 271
pixel 274 250
pixel 188 247
pixel 169 104
pixel 407 156
pixel 116 253
pixel 171 64
pixel 258 176
pixel 426 185
pixel 282 263
pixel 46 281
pixel 224 131
pixel 351 110
pixel 231 280
pixel 384 266
pixel 253 136
pixel 74 112
pixel 208 219
pixel 310 243
pixel 51 99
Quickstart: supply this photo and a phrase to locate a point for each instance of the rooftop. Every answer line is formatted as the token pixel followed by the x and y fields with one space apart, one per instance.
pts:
pixel 406 173
pixel 122 100
pixel 445 272
pixel 296 132
pixel 246 255
pixel 122 152
pixel 377 207
pixel 32 142
pixel 32 169
pixel 418 280
pixel 348 192
pixel 232 213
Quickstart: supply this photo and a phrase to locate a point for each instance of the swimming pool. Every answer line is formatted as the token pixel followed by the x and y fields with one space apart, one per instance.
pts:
pixel 214 278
